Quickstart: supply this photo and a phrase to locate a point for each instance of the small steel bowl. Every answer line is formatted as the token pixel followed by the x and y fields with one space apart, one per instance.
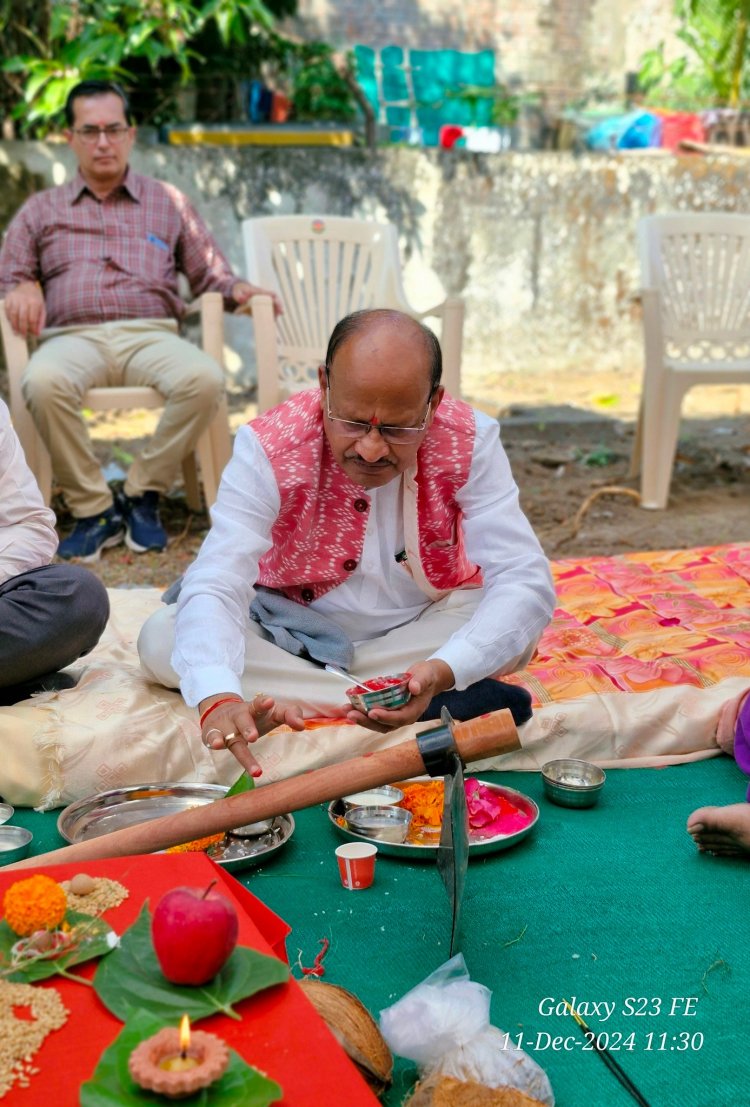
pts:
pixel 15 843
pixel 572 783
pixel 392 695
pixel 383 796
pixel 6 812
pixel 384 824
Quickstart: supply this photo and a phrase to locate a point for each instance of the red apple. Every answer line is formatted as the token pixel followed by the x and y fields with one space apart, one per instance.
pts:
pixel 194 932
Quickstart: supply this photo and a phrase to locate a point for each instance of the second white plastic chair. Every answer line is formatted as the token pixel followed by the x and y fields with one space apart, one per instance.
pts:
pixel 695 271
pixel 323 268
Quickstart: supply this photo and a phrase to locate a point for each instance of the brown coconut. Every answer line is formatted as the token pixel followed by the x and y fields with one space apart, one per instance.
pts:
pixel 354 1027
pixel 446 1091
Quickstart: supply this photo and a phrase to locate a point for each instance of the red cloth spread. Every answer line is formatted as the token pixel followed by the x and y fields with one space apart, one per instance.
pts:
pixel 280 1032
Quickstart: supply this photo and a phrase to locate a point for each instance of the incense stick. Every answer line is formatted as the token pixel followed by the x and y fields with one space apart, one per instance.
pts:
pixel 607 1057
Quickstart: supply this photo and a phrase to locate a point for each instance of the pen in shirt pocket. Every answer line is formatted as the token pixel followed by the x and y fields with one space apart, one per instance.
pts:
pixel 156 241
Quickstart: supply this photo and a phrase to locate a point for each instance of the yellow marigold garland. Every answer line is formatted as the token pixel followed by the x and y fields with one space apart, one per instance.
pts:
pixel 37 903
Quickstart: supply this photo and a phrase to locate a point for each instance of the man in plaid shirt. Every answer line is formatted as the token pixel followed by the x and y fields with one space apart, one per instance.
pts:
pixel 91 268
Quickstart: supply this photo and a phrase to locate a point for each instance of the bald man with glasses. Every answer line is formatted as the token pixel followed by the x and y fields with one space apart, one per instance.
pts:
pixel 90 269
pixel 382 507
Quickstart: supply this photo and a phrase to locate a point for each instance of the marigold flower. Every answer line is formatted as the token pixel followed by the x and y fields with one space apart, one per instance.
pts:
pixel 425 801
pixel 37 903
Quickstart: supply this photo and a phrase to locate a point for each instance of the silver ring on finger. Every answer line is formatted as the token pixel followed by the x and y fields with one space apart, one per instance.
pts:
pixel 207 737
pixel 230 739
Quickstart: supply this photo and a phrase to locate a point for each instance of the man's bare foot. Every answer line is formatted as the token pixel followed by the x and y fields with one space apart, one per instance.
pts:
pixel 721 830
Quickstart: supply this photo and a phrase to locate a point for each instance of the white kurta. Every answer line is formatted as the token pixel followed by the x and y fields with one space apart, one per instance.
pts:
pixel 477 632
pixel 28 537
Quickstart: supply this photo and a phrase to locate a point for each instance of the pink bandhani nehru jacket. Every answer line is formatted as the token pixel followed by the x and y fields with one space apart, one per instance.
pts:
pixel 320 530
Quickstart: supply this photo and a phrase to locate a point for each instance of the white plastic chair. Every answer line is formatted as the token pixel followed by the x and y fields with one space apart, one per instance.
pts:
pixel 323 268
pixel 695 270
pixel 214 447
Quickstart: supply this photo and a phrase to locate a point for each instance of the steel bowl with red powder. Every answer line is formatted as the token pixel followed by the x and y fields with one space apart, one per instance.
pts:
pixel 385 691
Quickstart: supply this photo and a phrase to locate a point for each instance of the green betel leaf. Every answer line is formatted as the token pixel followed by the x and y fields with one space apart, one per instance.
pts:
pixel 112 1086
pixel 244 783
pixel 131 979
pixel 92 938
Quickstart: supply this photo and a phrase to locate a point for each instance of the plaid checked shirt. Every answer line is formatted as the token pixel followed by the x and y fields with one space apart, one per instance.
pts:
pixel 99 261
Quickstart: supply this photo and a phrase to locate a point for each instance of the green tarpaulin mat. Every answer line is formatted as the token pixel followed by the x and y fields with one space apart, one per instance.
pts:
pixel 611 905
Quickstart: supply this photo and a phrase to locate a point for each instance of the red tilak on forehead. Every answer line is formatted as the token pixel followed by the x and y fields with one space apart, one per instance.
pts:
pixel 374 422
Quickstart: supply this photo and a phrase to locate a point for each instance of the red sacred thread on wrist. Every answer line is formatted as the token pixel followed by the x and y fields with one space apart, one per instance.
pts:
pixel 227 699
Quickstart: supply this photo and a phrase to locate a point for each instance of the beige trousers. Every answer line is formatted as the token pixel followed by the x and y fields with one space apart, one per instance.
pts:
pixel 293 680
pixel 135 352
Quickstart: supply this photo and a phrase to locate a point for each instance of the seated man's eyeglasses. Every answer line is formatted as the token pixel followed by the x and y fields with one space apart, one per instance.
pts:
pixel 350 428
pixel 114 132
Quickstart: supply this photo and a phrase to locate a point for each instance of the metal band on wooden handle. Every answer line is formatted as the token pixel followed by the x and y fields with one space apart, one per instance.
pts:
pixel 476 739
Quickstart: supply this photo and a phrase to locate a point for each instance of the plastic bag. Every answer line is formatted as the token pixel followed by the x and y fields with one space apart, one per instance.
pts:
pixel 635 130
pixel 677 125
pixel 444 1026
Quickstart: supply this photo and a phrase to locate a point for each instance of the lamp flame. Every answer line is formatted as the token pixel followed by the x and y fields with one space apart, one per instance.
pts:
pixel 184 1035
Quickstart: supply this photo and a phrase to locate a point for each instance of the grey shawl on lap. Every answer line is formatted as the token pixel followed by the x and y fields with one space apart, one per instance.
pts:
pixel 292 626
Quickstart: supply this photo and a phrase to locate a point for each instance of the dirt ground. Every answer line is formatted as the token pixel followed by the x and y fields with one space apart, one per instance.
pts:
pixel 565 448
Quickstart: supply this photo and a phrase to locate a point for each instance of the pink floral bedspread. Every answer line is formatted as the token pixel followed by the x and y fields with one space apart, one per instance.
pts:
pixel 644 621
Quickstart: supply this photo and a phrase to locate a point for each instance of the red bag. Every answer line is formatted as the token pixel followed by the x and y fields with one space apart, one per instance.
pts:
pixel 677 125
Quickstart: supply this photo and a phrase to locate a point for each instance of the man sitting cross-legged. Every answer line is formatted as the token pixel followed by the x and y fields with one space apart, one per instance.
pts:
pixel 380 507
pixel 91 267
pixel 49 614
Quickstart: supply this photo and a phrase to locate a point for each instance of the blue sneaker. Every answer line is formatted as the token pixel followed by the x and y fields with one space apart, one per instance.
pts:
pixel 92 535
pixel 144 529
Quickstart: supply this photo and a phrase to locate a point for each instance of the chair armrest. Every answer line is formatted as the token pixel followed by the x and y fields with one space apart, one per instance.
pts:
pixel 16 351
pixel 194 308
pixel 16 348
pixel 260 307
pixel 257 300
pixel 209 307
pixel 16 358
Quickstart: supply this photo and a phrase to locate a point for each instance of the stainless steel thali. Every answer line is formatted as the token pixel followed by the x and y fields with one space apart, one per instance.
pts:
pixel 426 851
pixel 121 807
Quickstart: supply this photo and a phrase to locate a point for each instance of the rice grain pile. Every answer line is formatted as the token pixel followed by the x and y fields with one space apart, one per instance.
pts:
pixel 21 1038
pixel 105 894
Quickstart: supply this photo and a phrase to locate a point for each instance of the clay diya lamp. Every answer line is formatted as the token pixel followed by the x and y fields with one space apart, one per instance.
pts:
pixel 177 1063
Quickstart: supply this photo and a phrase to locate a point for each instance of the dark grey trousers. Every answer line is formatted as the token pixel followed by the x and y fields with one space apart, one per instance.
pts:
pixel 49 617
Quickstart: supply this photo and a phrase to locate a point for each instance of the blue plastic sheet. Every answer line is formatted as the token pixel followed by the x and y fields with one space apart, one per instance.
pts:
pixel 633 131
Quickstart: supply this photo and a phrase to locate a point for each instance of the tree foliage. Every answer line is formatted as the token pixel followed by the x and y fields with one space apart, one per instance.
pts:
pixel 152 46
pixel 318 89
pixel 714 71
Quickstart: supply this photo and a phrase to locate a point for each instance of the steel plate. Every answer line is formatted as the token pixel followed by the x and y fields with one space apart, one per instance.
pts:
pixel 107 811
pixel 427 852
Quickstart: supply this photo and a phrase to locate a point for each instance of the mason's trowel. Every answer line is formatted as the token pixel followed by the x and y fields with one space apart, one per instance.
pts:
pixel 441 758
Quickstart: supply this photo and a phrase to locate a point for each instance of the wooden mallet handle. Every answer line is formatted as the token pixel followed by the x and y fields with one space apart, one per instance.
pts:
pixel 476 739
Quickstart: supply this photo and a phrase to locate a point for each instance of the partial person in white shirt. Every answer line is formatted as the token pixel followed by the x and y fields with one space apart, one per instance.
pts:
pixel 50 615
pixel 382 504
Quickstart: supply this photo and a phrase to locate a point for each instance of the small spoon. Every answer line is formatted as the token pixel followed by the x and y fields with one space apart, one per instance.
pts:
pixel 346 676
